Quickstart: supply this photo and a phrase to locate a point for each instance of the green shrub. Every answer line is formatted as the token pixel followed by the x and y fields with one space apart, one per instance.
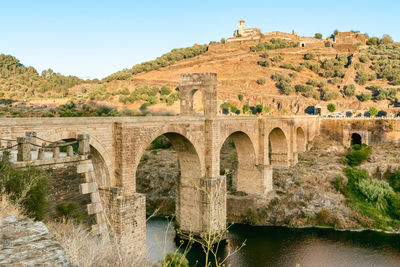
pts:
pixel 246 108
pixel 362 78
pixel 233 109
pixel 264 55
pixel 365 97
pixel 313 82
pixel 274 43
pixel 261 81
pixel 373 41
pixel 303 88
pixel 69 211
pixel 161 142
pixel 27 187
pixel 394 207
pixel 174 260
pixel 165 90
pixel 394 180
pixel 226 107
pixel 264 63
pixel 376 191
pixel 240 97
pixel 328 95
pixel 318 35
pixel 364 58
pixel 349 90
pixel 285 87
pixel 267 109
pixel 358 155
pixel 259 108
pixel 288 66
pixel 309 56
pixel 331 107
pixel 172 98
pixel 338 183
pixel 373 111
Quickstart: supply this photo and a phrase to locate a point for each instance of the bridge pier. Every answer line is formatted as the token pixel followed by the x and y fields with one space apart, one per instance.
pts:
pixel 127 220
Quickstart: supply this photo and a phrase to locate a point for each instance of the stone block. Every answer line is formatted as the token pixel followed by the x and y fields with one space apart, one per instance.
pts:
pixel 94 208
pixel 87 188
pixel 84 167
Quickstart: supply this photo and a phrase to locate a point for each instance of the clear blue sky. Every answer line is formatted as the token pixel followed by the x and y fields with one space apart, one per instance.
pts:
pixel 96 38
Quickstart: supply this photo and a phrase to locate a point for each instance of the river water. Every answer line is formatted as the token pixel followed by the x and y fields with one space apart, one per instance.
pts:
pixel 280 246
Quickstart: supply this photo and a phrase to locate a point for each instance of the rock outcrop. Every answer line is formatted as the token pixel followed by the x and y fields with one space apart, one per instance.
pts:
pixel 27 243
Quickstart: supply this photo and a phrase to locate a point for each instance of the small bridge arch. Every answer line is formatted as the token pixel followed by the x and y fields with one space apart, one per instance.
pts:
pixel 301 140
pixel 204 82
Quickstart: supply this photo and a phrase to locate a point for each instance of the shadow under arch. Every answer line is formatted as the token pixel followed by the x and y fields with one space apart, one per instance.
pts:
pixel 245 178
pixel 356 139
pixel 188 207
pixel 278 148
pixel 301 143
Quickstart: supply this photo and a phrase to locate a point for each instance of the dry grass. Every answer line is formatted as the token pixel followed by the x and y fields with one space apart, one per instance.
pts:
pixel 8 208
pixel 83 248
pixel 86 249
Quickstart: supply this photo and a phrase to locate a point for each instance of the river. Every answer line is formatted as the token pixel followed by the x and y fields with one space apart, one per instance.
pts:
pixel 281 246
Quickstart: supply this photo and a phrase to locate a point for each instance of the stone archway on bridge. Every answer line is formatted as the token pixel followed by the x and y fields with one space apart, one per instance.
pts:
pixel 247 175
pixel 278 148
pixel 204 82
pixel 188 205
pixel 301 141
pixel 100 160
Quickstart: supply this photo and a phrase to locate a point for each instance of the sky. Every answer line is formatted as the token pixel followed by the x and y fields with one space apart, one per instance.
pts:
pixel 93 39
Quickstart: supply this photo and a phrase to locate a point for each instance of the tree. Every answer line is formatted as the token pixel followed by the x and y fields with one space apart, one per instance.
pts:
pixel 318 35
pixel 365 97
pixel 331 107
pixel 233 109
pixel 373 111
pixel 373 41
pixel 386 39
pixel 225 107
pixel 259 108
pixel 246 108
pixel 349 90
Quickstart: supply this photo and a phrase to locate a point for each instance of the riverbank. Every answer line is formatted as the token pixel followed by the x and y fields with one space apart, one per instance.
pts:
pixel 282 246
pixel 305 195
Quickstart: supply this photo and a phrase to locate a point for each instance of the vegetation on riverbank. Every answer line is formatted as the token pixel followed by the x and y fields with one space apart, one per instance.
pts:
pixel 377 199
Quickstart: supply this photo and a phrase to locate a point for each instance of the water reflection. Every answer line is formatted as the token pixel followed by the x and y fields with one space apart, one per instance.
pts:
pixel 279 246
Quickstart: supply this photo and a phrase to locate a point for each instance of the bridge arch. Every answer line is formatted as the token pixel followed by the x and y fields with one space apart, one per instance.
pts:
pixel 245 178
pixel 356 139
pixel 301 140
pixel 188 195
pixel 101 160
pixel 278 148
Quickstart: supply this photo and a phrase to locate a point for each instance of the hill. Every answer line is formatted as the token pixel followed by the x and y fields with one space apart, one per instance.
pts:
pixel 285 73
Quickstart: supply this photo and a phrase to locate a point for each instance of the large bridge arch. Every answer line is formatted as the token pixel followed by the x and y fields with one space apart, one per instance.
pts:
pixel 188 208
pixel 278 145
pixel 247 175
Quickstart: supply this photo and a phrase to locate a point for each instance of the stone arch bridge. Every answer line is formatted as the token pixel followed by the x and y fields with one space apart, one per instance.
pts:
pixel 118 143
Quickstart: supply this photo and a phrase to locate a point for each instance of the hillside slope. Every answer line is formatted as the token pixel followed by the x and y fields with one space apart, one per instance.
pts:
pixel 287 80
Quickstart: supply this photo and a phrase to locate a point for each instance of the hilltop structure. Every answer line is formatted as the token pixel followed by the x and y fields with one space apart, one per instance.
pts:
pixel 342 41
